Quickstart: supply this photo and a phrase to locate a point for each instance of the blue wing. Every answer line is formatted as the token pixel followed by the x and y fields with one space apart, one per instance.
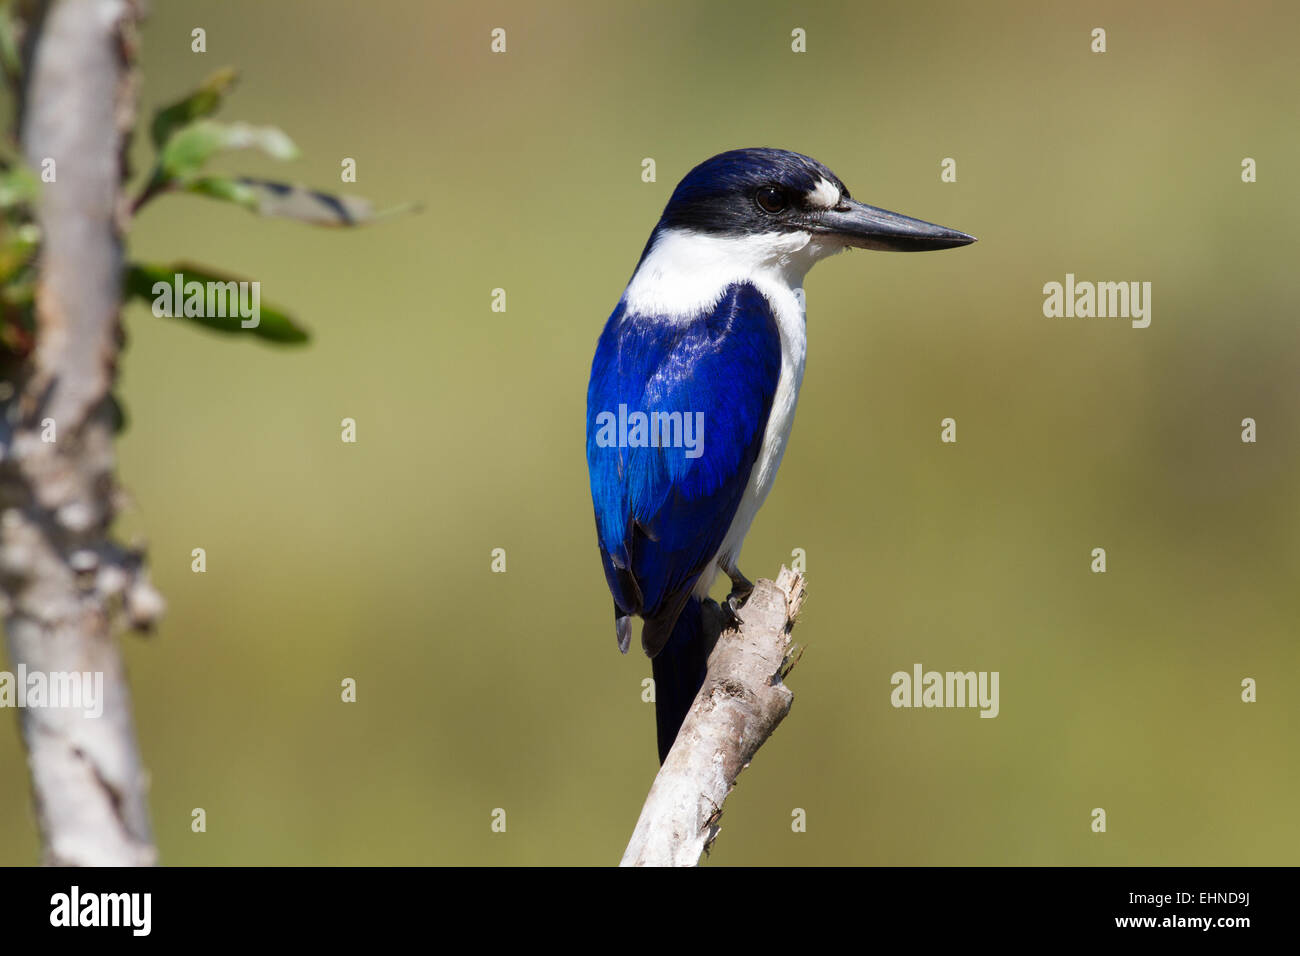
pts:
pixel 662 512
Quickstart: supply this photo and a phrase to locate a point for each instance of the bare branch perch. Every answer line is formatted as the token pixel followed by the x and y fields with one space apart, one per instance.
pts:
pixel 63 579
pixel 743 699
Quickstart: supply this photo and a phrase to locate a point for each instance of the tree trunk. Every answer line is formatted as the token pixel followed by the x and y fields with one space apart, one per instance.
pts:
pixel 66 586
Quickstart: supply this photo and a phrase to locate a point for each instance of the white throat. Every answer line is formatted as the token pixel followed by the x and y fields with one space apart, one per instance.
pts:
pixel 685 273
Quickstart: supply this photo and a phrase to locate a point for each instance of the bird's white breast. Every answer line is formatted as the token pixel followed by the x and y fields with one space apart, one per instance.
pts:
pixel 787 304
pixel 685 275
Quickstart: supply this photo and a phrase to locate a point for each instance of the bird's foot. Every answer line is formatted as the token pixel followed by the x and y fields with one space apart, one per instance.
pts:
pixel 730 614
pixel 741 589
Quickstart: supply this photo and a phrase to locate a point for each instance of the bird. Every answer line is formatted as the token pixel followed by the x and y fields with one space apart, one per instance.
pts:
pixel 693 389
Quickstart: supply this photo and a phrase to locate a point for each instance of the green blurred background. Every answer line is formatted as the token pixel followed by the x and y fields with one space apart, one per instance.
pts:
pixel 480 690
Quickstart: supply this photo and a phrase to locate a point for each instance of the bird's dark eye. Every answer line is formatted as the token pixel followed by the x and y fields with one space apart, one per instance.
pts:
pixel 770 199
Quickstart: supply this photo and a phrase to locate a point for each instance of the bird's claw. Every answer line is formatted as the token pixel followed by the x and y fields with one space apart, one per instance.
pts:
pixel 741 589
pixel 731 614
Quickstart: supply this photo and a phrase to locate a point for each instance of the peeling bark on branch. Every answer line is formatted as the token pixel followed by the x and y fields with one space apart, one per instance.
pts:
pixel 743 699
pixel 66 585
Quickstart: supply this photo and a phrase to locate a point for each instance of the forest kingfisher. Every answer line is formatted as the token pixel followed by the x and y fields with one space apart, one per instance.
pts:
pixel 693 389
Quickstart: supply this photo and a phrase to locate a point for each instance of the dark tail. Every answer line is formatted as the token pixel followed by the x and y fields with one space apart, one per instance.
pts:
pixel 679 671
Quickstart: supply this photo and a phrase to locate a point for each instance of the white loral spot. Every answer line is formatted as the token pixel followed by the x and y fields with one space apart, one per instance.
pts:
pixel 826 195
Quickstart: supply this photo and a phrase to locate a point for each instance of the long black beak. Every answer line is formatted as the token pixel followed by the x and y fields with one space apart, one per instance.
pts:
pixel 867 227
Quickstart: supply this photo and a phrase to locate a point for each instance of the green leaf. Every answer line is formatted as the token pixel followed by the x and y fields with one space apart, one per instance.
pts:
pixel 228 190
pixel 18 186
pixel 189 148
pixel 18 246
pixel 142 279
pixel 290 202
pixel 19 293
pixel 202 102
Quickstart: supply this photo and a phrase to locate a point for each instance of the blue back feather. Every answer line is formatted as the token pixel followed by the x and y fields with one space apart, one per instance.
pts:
pixel 660 515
